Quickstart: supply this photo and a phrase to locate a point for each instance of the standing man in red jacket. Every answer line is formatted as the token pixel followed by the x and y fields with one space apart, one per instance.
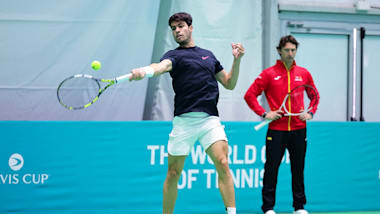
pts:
pixel 285 132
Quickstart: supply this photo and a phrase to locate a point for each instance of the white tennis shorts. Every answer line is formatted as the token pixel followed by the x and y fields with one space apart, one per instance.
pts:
pixel 193 126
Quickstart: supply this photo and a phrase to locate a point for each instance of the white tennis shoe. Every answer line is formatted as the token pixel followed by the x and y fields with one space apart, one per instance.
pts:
pixel 270 212
pixel 301 211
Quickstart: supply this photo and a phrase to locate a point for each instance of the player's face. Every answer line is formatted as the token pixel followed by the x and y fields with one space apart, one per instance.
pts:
pixel 288 52
pixel 181 32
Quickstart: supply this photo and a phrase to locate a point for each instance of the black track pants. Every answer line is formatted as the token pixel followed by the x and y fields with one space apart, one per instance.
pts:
pixel 276 143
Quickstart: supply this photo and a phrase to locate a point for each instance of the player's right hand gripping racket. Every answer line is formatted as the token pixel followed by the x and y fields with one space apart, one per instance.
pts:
pixel 291 104
pixel 81 91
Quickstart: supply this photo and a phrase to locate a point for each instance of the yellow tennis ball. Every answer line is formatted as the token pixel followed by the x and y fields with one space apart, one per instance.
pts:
pixel 96 65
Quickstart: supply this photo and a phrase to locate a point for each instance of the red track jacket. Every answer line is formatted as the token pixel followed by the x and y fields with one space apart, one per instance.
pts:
pixel 276 82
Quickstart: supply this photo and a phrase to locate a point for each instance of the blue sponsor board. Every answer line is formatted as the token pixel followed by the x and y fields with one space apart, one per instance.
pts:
pixel 120 167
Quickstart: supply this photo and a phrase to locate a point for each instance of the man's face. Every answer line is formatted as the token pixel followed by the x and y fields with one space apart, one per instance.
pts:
pixel 288 52
pixel 181 32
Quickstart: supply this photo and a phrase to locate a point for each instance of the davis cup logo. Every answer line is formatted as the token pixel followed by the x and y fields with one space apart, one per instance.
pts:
pixel 16 162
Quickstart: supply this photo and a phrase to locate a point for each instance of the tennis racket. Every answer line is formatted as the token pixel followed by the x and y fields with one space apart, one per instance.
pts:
pixel 299 100
pixel 82 90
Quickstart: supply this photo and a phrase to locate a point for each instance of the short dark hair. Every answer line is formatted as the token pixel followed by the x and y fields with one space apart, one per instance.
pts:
pixel 286 39
pixel 182 16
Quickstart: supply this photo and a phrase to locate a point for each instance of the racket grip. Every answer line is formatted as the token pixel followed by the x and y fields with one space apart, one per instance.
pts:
pixel 262 124
pixel 149 72
pixel 123 78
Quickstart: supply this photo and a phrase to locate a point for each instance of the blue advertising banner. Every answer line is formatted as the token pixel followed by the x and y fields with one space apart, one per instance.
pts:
pixel 120 167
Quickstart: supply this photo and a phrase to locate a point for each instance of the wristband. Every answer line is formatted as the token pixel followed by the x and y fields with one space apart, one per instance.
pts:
pixel 264 115
pixel 149 71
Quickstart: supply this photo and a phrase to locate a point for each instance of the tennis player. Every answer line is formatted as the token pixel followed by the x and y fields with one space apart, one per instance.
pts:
pixel 286 132
pixel 195 73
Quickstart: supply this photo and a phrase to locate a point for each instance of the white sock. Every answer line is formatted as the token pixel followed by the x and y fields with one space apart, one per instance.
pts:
pixel 231 210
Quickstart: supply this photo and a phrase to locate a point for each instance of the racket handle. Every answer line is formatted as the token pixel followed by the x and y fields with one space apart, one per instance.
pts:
pixel 262 124
pixel 123 78
pixel 149 72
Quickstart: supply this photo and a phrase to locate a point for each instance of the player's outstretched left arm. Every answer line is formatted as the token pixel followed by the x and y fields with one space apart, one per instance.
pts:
pixel 228 80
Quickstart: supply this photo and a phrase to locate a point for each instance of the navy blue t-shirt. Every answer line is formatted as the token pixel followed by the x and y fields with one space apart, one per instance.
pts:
pixel 194 83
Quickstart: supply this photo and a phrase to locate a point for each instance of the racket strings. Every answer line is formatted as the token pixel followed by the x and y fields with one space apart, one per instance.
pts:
pixel 77 92
pixel 300 100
